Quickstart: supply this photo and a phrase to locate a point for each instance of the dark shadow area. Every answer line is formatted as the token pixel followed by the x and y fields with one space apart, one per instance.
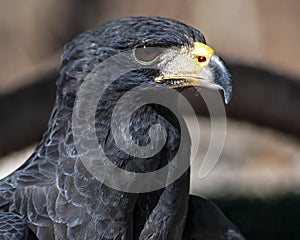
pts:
pixel 263 98
pixel 275 218
pixel 25 113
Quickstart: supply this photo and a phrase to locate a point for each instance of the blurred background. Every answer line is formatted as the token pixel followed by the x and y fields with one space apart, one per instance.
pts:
pixel 257 179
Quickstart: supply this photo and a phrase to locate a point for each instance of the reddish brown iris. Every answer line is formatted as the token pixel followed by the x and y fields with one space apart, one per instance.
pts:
pixel 201 59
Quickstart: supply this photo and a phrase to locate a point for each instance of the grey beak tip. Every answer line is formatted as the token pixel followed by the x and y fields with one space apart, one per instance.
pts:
pixel 228 94
pixel 222 76
pixel 227 98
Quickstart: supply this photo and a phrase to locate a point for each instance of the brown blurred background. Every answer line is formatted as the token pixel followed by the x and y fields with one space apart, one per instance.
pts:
pixel 262 33
pixel 258 177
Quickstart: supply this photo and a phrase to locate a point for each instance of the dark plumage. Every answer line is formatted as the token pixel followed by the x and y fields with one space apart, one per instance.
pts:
pixel 13 226
pixel 57 195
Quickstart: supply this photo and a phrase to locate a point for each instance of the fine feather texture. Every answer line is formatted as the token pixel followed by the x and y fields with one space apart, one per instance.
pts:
pixel 56 195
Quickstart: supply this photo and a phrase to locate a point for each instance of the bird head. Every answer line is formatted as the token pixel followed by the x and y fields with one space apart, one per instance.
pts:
pixel 187 66
pixel 178 53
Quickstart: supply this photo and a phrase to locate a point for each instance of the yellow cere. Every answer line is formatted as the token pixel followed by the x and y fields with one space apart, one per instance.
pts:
pixel 202 53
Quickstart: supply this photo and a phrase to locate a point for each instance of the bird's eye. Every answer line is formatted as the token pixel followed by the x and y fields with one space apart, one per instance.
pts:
pixel 147 54
pixel 201 59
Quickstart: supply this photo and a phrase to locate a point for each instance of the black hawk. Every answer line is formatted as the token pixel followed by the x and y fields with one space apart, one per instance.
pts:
pixel 53 195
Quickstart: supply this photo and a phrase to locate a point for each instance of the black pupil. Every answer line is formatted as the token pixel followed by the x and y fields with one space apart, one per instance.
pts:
pixel 147 54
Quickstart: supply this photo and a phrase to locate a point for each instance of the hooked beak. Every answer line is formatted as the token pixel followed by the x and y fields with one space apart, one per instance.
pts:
pixel 204 69
pixel 216 76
